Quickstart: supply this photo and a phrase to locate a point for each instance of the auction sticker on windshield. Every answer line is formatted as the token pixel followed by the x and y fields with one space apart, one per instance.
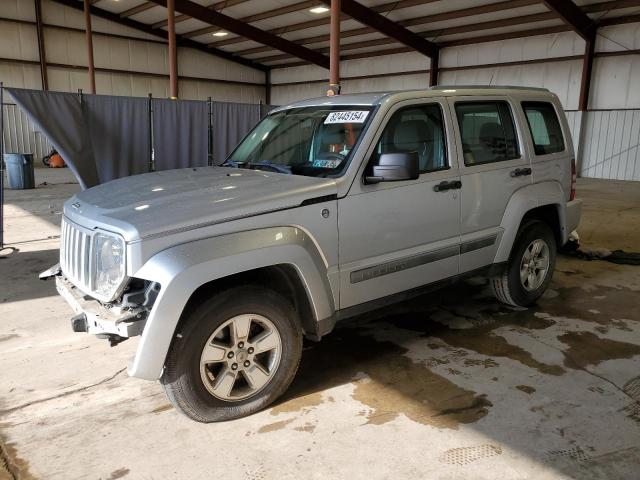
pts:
pixel 351 116
pixel 326 163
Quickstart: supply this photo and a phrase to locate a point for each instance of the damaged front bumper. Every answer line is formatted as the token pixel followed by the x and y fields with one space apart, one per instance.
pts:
pixel 93 317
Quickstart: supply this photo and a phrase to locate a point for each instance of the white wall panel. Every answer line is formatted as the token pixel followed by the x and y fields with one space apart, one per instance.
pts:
pixel 611 148
pixel 616 82
pixel 18 9
pixel 56 14
pixel 21 136
pixel 562 78
pixel 20 75
pixel 514 50
pixel 574 119
pixel 194 63
pixel 18 41
pixel 618 37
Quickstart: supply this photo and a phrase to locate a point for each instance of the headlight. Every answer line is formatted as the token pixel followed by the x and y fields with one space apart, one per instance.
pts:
pixel 108 264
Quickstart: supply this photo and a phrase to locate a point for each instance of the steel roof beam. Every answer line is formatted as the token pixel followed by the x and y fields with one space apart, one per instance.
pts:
pixel 158 32
pixel 573 16
pixel 368 17
pixel 238 27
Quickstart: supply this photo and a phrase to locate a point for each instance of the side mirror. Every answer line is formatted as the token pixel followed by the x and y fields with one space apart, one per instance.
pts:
pixel 394 167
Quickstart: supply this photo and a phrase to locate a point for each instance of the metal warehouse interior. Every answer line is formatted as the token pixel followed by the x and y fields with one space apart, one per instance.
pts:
pixel 451 384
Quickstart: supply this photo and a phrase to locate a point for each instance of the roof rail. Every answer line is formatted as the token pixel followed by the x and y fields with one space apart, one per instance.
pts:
pixel 497 87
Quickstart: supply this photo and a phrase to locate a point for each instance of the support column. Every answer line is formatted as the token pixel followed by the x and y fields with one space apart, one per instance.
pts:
pixel 267 87
pixel 583 102
pixel 173 56
pixel 41 51
pixel 334 49
pixel 87 27
pixel 434 70
pixel 587 66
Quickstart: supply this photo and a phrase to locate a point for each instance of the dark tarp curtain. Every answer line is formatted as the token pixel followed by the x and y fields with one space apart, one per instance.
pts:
pixel 119 131
pixel 59 117
pixel 106 137
pixel 231 122
pixel 180 133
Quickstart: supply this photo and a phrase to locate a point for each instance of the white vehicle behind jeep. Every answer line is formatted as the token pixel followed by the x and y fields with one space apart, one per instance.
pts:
pixel 329 208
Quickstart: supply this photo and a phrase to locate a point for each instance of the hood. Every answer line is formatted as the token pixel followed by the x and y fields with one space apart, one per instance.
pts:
pixel 154 203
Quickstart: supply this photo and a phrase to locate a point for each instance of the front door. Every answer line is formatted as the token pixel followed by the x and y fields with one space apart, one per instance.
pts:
pixel 395 236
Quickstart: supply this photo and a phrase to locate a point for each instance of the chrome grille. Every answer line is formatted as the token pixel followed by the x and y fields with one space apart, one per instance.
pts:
pixel 75 254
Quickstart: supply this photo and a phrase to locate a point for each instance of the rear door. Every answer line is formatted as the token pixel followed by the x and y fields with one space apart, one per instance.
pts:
pixel 395 236
pixel 494 164
pixel 550 140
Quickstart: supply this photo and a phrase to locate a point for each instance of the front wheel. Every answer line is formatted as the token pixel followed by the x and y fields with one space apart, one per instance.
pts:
pixel 530 266
pixel 234 355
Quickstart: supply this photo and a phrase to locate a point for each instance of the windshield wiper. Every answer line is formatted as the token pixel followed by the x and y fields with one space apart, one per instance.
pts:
pixel 273 166
pixel 230 163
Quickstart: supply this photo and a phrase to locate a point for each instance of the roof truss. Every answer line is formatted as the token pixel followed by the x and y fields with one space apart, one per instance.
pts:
pixel 246 30
pixel 573 16
pixel 143 27
pixel 368 17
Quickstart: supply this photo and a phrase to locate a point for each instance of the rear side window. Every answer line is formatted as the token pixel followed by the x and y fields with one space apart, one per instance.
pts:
pixel 544 127
pixel 487 131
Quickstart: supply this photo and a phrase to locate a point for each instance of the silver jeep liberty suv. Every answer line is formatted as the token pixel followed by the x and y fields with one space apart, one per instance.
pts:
pixel 328 208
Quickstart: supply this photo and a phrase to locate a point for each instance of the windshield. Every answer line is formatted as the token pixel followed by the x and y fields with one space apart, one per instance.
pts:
pixel 311 141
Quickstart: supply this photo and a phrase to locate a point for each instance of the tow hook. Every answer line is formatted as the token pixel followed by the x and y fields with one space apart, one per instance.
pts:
pixel 79 323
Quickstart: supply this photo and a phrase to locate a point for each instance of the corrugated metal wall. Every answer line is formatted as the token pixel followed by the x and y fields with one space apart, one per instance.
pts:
pixel 610 145
pixel 21 136
pixel 148 59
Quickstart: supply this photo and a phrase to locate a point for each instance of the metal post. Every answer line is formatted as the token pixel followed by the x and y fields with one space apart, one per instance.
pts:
pixel 334 49
pixel 152 166
pixel 267 87
pixel 89 36
pixel 433 70
pixel 173 57
pixel 210 143
pixel 1 166
pixel 587 66
pixel 41 51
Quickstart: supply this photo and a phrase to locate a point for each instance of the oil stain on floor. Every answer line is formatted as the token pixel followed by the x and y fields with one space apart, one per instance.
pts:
pixel 390 383
pixel 394 383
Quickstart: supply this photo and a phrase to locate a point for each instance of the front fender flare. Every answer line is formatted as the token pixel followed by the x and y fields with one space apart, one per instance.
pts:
pixel 182 269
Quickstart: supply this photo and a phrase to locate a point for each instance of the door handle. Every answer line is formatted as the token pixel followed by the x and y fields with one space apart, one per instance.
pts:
pixel 521 172
pixel 444 186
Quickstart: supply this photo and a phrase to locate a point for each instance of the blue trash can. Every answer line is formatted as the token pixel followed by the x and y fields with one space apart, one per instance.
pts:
pixel 19 170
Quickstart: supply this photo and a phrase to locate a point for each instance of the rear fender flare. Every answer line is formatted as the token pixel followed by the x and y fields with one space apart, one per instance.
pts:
pixel 523 201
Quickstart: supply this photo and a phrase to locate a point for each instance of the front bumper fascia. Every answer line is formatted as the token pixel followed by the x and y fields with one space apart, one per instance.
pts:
pixel 99 319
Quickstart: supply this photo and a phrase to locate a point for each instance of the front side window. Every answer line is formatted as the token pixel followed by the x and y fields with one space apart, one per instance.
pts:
pixel 487 131
pixel 544 127
pixel 416 129
pixel 310 141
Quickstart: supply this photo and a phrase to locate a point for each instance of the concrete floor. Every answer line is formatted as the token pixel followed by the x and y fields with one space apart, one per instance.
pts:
pixel 451 385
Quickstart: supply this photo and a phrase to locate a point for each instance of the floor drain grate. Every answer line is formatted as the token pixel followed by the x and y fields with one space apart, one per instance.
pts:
pixel 466 455
pixel 632 388
pixel 575 453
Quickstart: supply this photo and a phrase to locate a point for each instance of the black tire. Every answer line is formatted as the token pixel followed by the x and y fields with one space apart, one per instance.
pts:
pixel 508 287
pixel 182 379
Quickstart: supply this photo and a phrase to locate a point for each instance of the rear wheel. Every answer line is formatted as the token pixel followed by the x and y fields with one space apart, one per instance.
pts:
pixel 530 266
pixel 234 355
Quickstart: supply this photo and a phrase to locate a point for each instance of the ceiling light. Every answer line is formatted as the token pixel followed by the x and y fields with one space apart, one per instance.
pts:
pixel 318 9
pixel 220 34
